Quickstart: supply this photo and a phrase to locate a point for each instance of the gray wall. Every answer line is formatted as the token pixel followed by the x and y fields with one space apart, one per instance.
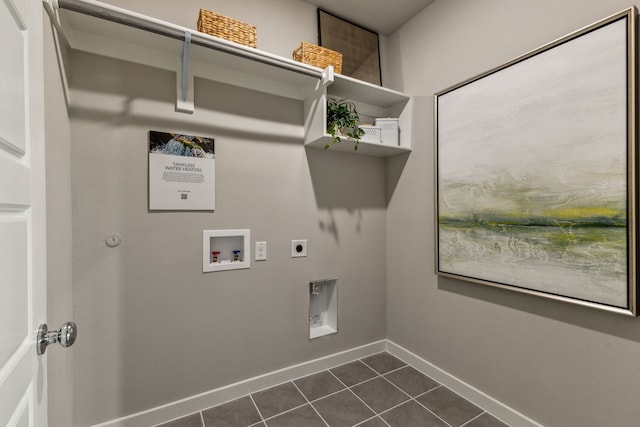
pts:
pixel 560 364
pixel 154 328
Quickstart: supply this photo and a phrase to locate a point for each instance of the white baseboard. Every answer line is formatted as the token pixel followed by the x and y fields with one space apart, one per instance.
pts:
pixel 472 394
pixel 224 394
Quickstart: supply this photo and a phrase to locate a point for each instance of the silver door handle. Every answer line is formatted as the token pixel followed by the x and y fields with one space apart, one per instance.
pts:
pixel 65 336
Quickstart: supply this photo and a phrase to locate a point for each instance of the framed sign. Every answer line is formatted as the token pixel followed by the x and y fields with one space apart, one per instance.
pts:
pixel 181 172
pixel 359 46
pixel 536 171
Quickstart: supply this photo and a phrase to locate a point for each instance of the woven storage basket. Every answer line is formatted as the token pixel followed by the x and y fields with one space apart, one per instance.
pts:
pixel 318 56
pixel 227 28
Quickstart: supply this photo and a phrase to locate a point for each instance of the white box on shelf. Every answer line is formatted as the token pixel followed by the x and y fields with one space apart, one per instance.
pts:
pixel 390 131
pixel 225 250
pixel 371 134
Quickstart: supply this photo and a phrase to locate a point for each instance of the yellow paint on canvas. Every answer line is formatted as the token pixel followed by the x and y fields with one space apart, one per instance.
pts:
pixel 583 212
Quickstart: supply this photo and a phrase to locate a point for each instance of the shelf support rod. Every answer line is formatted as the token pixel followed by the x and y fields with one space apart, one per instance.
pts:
pixel 185 63
pixel 185 102
pixel 59 37
pixel 145 23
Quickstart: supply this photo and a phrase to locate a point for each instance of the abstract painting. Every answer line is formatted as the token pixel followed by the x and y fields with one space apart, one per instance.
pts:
pixel 536 173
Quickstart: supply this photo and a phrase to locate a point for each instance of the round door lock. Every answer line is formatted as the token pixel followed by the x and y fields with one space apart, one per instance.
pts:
pixel 65 336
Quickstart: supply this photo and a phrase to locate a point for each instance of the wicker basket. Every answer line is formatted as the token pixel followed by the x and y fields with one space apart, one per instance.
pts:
pixel 318 56
pixel 227 28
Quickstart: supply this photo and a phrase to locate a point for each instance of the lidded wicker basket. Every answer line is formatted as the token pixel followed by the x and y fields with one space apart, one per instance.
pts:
pixel 318 56
pixel 227 28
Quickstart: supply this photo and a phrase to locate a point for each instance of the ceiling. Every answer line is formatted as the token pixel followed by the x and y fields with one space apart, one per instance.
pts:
pixel 381 16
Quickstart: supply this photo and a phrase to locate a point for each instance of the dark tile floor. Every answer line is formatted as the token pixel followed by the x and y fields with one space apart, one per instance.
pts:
pixel 377 391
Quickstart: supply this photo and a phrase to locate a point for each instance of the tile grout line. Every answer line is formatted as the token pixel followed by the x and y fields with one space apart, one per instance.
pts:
pixel 309 403
pixel 364 382
pixel 181 417
pixel 363 402
pixel 391 409
pixel 383 376
pixel 255 405
pixel 411 398
pixel 369 419
pixel 328 395
pixel 462 397
pixel 401 390
pixel 434 414
pixel 398 387
pixel 375 370
pixel 361 382
pixel 476 417
pixel 415 399
pixel 346 387
pixel 396 370
pixel 284 412
pixel 292 381
pixel 358 397
pixel 466 422
pixel 313 373
pixel 263 420
pixel 299 406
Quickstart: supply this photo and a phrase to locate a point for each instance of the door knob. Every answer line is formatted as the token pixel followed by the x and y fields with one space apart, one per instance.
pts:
pixel 65 336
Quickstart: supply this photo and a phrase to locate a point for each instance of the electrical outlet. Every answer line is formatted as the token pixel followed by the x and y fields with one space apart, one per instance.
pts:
pixel 298 248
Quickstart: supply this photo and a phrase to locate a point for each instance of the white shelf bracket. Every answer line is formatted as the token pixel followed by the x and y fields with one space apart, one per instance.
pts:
pixel 184 101
pixel 327 76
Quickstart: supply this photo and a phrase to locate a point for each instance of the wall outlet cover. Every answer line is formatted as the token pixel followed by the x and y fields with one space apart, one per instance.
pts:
pixel 261 251
pixel 298 248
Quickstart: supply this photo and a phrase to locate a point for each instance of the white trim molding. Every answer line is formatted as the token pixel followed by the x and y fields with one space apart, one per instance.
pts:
pixel 230 392
pixel 472 394
pixel 194 404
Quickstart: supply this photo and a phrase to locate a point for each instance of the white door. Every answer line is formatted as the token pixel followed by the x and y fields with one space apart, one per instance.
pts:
pixel 22 214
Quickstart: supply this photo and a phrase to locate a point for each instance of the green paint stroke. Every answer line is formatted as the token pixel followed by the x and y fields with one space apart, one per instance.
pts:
pixel 559 229
pixel 569 217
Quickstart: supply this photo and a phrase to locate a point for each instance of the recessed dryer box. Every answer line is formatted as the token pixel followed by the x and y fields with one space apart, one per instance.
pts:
pixel 225 250
pixel 323 308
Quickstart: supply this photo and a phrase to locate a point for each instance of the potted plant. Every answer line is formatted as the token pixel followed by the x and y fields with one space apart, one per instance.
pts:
pixel 342 120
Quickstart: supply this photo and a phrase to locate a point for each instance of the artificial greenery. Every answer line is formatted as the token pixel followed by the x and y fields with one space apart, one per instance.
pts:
pixel 342 120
